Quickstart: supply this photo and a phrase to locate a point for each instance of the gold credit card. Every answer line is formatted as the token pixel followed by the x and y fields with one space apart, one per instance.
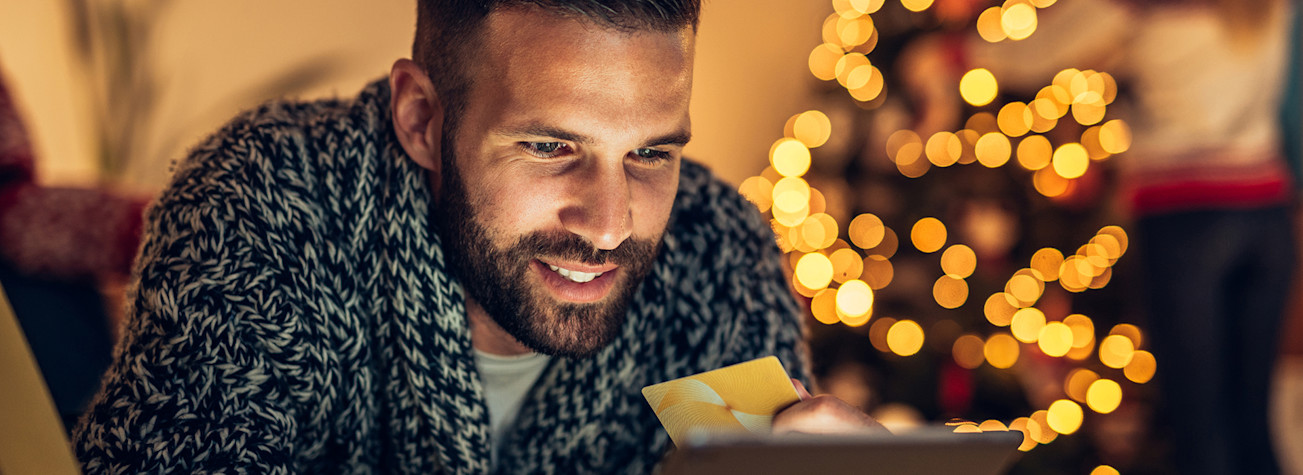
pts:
pixel 734 399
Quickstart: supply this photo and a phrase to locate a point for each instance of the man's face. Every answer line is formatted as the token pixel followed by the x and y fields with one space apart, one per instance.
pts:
pixel 559 179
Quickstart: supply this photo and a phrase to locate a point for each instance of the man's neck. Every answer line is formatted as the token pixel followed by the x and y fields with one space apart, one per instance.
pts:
pixel 488 336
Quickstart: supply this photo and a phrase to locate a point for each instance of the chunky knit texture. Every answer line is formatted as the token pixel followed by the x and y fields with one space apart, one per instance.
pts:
pixel 292 314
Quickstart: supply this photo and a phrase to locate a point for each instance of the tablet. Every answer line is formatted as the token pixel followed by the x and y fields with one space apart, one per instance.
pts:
pixel 932 450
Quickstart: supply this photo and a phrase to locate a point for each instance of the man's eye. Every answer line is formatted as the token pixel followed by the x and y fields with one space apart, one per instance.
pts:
pixel 651 154
pixel 544 149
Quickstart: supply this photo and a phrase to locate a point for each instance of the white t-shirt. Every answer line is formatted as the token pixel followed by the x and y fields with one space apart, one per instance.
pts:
pixel 507 380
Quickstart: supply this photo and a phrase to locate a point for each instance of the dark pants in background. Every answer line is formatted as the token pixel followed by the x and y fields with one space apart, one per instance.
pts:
pixel 1218 283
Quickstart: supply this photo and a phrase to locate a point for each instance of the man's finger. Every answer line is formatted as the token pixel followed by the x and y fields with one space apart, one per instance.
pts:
pixel 800 389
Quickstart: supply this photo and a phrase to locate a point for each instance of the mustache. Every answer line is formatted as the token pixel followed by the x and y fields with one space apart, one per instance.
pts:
pixel 573 247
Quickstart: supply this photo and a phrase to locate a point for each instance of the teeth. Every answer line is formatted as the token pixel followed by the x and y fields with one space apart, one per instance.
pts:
pixel 574 275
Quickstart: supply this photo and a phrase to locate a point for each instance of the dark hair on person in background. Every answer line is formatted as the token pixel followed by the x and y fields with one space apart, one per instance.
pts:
pixel 447 31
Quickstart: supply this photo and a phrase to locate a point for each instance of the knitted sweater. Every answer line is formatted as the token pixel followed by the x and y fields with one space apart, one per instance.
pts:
pixel 292 314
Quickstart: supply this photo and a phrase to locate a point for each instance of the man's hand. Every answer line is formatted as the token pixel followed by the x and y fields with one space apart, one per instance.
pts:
pixel 822 415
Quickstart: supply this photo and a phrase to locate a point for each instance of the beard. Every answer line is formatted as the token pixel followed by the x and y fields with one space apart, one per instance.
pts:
pixel 500 279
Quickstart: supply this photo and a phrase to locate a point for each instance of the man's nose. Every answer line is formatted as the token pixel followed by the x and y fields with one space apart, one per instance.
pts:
pixel 600 211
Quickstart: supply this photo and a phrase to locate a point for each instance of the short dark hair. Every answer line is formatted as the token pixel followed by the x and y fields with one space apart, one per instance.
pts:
pixel 447 30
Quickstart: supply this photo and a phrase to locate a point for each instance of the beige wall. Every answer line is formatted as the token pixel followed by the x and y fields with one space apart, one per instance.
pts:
pixel 750 71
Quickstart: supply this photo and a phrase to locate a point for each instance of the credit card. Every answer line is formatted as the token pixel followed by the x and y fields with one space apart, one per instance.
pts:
pixel 731 400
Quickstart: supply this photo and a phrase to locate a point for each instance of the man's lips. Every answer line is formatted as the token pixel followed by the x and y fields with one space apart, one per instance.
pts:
pixel 576 282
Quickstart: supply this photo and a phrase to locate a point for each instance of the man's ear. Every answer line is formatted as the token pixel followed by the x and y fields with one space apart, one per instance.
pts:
pixel 417 113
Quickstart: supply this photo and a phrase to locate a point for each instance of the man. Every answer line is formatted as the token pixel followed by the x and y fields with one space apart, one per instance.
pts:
pixel 300 305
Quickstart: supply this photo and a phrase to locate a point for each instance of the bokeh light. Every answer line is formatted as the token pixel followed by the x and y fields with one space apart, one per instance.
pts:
pixel 814 271
pixel 967 351
pixel 916 5
pixel 824 307
pixel 1027 324
pixel 1001 350
pixel 846 265
pixel 998 310
pixel 943 149
pixel 959 261
pixel 866 231
pixel 1104 470
pixel 1019 21
pixel 1077 384
pixel 993 150
pixel 812 128
pixel 950 292
pixel 1116 351
pixel 928 235
pixel 1141 368
pixel 989 27
pixel 1035 152
pixel 789 157
pixel 1104 396
pixel 854 298
pixel 978 87
pixel 1064 416
pixel 1014 119
pixel 1070 160
pixel 905 337
pixel 759 191
pixel 1055 339
pixel 878 271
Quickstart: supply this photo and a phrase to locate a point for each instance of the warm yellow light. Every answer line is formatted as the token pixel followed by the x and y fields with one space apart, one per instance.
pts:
pixel 959 261
pixel 1115 351
pixel 993 150
pixel 829 29
pixel 871 87
pixel 812 128
pixel 1141 368
pixel 854 298
pixel 1047 261
pixel 1064 416
pixel 992 425
pixel 846 265
pixel 1040 427
pixel 928 235
pixel 823 61
pixel 1070 160
pixel 1001 350
pixel 950 292
pixel 859 77
pixel 998 310
pixel 967 428
pixel 797 193
pixel 1035 152
pixel 824 307
pixel 1021 425
pixel 867 6
pixel 916 5
pixel 905 338
pixel 982 123
pixel 759 191
pixel 1130 331
pixel 789 157
pixel 1048 183
pixel 1014 119
pixel 1109 245
pixel 819 231
pixel 1027 324
pixel 1104 470
pixel 1055 339
pixel 814 271
pixel 943 149
pixel 878 333
pixel 1088 113
pixel 847 63
pixel 844 8
pixel 1119 234
pixel 967 351
pixel 1024 289
pixel 1077 385
pixel 888 246
pixel 854 31
pixel 1115 136
pixel 989 27
pixel 866 231
pixel 1083 329
pixel 904 147
pixel 1104 396
pixel 978 87
pixel 1018 21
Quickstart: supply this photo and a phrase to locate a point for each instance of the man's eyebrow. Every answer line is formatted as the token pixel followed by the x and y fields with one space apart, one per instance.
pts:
pixel 680 138
pixel 539 130
pixel 529 131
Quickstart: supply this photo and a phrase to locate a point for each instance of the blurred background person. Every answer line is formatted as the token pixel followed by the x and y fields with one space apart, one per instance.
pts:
pixel 1206 182
pixel 58 246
